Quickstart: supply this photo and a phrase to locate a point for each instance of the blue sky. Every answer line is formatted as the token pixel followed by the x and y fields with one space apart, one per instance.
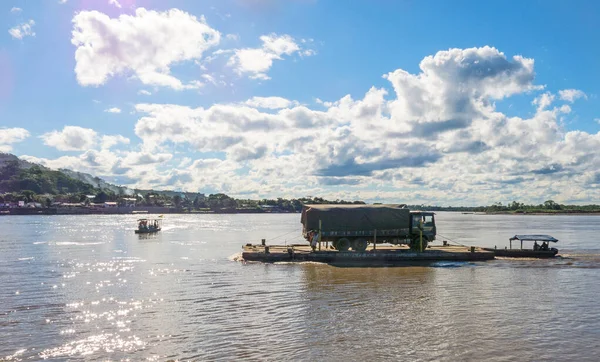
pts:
pixel 196 127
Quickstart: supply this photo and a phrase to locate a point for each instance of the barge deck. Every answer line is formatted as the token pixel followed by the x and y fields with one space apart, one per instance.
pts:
pixel 382 255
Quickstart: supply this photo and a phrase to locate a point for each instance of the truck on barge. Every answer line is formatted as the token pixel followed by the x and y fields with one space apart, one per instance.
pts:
pixel 356 226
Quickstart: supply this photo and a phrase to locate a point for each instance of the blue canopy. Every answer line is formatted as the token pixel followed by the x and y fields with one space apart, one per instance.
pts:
pixel 534 238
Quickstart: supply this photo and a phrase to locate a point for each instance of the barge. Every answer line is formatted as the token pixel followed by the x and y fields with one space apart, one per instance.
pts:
pixel 381 255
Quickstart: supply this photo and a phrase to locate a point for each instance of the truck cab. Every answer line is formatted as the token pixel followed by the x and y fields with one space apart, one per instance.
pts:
pixel 424 220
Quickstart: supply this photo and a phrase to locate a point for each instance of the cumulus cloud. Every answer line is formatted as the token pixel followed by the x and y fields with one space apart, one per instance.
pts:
pixel 543 101
pixel 256 62
pixel 145 44
pixel 113 140
pixel 10 136
pixel 113 110
pixel 433 136
pixel 570 95
pixel 16 10
pixel 22 30
pixel 71 138
pixel 115 3
pixel 144 92
pixel 142 158
pixel 269 102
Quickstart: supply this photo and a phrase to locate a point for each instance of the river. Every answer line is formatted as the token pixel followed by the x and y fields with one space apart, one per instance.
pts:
pixel 87 288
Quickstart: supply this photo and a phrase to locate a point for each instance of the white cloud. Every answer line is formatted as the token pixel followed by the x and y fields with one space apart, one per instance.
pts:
pixel 16 10
pixel 110 141
pixel 142 158
pixel 62 1
pixel 209 78
pixel 10 136
pixel 256 62
pixel 146 44
pixel 438 128
pixel 543 101
pixel 434 136
pixel 22 30
pixel 269 102
pixel 144 92
pixel 71 138
pixel 570 95
pixel 113 110
pixel 234 37
pixel 115 3
pixel 97 163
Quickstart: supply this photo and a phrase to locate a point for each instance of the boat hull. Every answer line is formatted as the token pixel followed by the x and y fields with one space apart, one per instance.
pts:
pixel 147 231
pixel 517 253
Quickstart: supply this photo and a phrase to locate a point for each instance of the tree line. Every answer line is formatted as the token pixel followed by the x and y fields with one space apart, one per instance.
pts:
pixel 516 207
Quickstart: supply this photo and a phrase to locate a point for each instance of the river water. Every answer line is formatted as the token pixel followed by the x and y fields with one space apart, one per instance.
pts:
pixel 88 288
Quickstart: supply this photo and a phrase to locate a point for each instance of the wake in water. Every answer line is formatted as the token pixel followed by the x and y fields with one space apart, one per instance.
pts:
pixel 586 260
pixel 236 257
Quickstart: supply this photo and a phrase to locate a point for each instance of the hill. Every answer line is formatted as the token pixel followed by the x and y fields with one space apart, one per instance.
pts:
pixel 17 175
pixel 97 182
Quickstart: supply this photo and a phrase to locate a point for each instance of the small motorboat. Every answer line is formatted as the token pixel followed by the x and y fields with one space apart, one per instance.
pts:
pixel 537 251
pixel 148 226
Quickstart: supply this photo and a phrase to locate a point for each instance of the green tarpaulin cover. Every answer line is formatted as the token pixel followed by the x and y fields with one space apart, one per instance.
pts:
pixel 355 217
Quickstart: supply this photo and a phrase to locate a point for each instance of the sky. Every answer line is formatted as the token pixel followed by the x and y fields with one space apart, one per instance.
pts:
pixel 419 102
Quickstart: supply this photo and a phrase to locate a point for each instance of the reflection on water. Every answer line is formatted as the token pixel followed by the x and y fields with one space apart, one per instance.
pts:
pixel 88 288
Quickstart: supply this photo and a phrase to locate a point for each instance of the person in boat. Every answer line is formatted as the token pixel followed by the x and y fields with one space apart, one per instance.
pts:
pixel 544 246
pixel 536 246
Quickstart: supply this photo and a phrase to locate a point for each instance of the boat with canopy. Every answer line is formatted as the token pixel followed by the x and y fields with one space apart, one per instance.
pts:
pixel 542 250
pixel 147 226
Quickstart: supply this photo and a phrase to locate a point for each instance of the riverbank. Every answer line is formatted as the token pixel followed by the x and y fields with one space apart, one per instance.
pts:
pixel 543 212
pixel 170 210
pixel 126 210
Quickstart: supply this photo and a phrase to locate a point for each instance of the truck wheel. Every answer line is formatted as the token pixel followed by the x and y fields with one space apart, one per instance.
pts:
pixel 359 245
pixel 342 244
pixel 415 244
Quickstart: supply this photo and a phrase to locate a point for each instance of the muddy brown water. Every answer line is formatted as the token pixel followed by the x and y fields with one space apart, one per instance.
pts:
pixel 87 288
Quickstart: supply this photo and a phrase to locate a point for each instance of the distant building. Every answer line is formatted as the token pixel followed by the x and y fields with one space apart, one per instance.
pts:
pixel 71 204
pixel 110 204
pixel 129 201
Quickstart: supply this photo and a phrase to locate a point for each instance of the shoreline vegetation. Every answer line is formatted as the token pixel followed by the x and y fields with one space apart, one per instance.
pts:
pixel 28 202
pixel 27 188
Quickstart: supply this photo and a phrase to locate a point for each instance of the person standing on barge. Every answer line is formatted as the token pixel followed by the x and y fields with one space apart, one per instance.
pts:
pixel 314 240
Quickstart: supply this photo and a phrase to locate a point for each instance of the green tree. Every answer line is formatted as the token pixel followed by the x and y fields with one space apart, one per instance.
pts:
pixel 177 201
pixel 515 205
pixel 551 205
pixel 27 195
pixel 101 197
